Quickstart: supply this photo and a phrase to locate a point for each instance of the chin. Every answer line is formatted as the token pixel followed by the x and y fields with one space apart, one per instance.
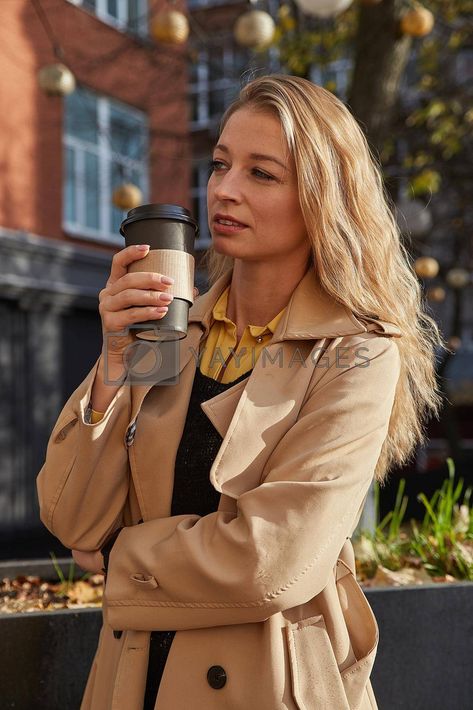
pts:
pixel 224 245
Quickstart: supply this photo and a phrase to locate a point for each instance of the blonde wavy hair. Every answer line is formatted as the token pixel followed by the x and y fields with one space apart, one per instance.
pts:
pixel 356 246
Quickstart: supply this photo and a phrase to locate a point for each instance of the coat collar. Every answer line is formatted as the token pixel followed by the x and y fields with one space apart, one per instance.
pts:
pixel 310 313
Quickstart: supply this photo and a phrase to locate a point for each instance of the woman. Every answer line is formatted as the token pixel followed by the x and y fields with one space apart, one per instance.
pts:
pixel 225 503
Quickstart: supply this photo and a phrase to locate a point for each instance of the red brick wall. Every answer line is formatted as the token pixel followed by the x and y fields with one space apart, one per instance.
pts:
pixel 148 77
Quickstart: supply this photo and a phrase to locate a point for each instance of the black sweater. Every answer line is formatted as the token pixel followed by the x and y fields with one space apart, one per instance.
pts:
pixel 192 494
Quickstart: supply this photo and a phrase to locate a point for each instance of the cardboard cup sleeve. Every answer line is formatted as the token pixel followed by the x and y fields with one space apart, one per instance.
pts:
pixel 170 262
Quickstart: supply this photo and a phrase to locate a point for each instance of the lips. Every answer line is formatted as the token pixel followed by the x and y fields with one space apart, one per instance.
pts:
pixel 228 221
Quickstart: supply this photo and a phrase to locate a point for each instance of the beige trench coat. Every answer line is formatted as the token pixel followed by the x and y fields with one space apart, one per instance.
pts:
pixel 264 587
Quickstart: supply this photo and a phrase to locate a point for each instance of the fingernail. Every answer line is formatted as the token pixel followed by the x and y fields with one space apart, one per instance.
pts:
pixel 167 280
pixel 166 296
pixel 142 247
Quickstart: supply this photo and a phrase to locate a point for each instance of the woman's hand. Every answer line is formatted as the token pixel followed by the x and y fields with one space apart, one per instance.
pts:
pixel 130 298
pixel 89 561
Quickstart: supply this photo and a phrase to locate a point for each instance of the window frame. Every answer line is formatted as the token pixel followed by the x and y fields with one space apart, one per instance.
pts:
pixel 121 22
pixel 106 156
pixel 201 89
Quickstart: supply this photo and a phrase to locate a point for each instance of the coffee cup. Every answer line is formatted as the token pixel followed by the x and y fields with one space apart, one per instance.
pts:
pixel 170 230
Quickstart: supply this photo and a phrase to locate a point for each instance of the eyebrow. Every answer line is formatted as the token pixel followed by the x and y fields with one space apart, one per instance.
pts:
pixel 254 156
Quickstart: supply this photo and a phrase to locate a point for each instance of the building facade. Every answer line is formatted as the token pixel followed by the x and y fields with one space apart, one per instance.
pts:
pixel 62 158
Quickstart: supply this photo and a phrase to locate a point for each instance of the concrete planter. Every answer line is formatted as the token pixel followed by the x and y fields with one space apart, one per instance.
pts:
pixel 423 660
pixel 46 657
pixel 425 646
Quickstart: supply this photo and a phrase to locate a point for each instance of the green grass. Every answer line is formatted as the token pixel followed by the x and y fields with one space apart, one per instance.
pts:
pixel 66 584
pixel 442 543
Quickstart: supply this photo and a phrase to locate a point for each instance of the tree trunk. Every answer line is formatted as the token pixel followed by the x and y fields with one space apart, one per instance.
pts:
pixel 381 54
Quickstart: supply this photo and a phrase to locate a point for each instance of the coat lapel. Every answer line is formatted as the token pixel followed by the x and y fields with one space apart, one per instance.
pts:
pixel 266 408
pixel 255 414
pixel 221 408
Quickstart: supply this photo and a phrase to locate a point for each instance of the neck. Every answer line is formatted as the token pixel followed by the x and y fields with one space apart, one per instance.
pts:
pixel 259 291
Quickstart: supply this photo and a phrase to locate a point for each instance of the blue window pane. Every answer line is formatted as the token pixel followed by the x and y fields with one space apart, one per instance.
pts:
pixel 195 109
pixel 137 178
pixel 70 186
pixel 91 191
pixel 112 8
pixel 118 177
pixel 216 64
pixel 81 116
pixel 240 65
pixel 117 218
pixel 216 102
pixel 134 9
pixel 127 136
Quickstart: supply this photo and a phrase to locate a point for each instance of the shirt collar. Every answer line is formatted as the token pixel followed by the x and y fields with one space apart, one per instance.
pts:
pixel 219 312
pixel 310 313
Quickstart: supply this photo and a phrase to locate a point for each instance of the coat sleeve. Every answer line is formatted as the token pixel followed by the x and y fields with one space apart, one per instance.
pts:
pixel 280 547
pixel 83 457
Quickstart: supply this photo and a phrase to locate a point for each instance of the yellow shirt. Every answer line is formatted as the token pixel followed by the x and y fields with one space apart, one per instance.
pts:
pixel 221 345
pixel 221 357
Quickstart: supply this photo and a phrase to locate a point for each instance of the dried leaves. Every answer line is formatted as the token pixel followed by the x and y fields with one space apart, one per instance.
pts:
pixel 30 593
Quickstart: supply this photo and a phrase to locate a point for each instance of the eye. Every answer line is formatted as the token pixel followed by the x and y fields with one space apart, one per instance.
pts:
pixel 215 165
pixel 262 175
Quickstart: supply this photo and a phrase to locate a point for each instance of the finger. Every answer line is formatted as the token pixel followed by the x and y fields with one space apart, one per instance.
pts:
pixel 123 258
pixel 139 279
pixel 135 297
pixel 117 322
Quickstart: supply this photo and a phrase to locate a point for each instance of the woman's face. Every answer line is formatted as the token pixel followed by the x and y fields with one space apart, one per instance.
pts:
pixel 252 195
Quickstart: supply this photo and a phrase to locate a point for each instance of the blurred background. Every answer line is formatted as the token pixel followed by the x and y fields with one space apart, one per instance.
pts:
pixel 107 104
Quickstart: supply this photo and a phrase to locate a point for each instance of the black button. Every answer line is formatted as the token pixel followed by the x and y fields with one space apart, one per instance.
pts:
pixel 216 677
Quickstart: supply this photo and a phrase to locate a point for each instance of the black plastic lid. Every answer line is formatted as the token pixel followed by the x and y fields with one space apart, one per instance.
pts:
pixel 159 211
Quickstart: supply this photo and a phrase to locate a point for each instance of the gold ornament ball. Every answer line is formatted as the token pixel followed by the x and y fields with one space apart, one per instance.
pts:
pixel 127 196
pixel 170 27
pixel 436 294
pixel 417 22
pixel 426 267
pixel 254 29
pixel 56 80
pixel 458 278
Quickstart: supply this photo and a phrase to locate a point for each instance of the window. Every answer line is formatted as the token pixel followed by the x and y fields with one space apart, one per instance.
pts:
pixel 105 144
pixel 129 15
pixel 214 82
pixel 200 177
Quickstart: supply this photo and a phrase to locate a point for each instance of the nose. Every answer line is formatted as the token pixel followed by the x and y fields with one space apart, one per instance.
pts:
pixel 227 187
